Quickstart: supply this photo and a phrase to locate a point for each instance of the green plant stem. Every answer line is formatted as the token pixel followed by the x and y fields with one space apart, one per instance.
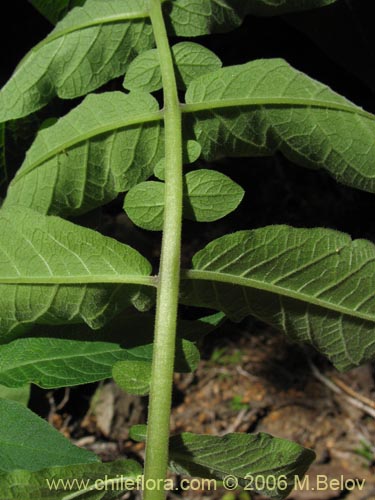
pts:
pixel 157 442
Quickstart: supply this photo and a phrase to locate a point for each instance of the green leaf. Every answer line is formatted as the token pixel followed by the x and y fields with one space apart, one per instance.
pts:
pixel 29 442
pixel 266 106
pixel 96 42
pixel 242 457
pixel 56 9
pixel 138 432
pixel 54 362
pixel 201 17
pixel 316 285
pixel 19 394
pixel 191 61
pixel 246 115
pixel 111 142
pixel 144 205
pixel 133 375
pixel 209 196
pixel 65 356
pixel 48 484
pixel 191 151
pixel 238 458
pixel 89 47
pixel 54 272
pixel 144 73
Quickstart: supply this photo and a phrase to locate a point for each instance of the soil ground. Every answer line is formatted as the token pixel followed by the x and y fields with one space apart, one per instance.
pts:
pixel 250 381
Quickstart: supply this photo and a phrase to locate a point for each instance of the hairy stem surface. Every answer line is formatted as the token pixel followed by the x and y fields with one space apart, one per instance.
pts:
pixel 169 274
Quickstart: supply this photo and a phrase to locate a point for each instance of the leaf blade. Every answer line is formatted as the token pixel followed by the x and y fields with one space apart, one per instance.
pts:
pixel 313 284
pixel 208 196
pixel 90 46
pixel 65 356
pixel 266 106
pixel 49 482
pixel 54 272
pixel 111 141
pixel 29 442
pixel 241 457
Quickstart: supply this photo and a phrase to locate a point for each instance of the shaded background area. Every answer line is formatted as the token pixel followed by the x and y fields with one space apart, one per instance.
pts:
pixel 250 378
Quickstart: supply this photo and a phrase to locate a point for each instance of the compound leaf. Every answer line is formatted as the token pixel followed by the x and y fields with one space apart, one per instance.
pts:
pixel 249 110
pixel 54 272
pixel 49 483
pixel 106 145
pixel 316 285
pixel 87 48
pixel 96 42
pixel 265 106
pixel 29 442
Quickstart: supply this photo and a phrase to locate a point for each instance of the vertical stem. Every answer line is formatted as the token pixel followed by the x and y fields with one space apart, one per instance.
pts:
pixel 169 274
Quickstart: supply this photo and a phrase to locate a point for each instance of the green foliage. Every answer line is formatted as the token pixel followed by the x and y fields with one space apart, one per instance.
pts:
pixel 208 196
pixel 191 61
pixel 20 394
pixel 68 355
pixel 242 456
pixel 81 479
pixel 107 143
pixel 83 275
pixel 30 443
pixel 281 109
pixel 200 17
pixel 97 46
pixel 60 281
pixel 314 284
